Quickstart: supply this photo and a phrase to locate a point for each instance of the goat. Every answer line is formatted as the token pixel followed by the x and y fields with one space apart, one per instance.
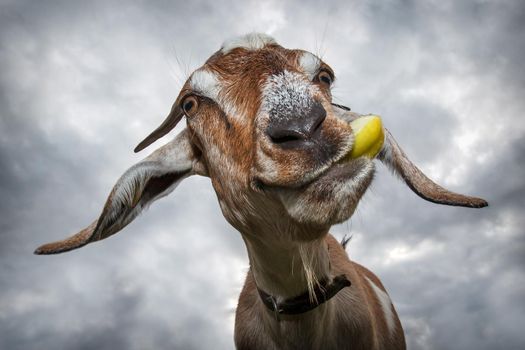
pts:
pixel 260 123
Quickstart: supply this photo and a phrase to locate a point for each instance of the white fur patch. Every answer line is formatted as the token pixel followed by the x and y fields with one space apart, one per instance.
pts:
pixel 206 83
pixel 251 41
pixel 386 305
pixel 310 64
pixel 287 91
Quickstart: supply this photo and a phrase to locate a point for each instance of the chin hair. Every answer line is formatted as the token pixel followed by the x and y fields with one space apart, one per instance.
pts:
pixel 333 197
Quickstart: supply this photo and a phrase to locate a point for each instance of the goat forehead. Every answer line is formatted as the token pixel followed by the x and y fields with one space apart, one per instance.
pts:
pixel 251 41
pixel 261 74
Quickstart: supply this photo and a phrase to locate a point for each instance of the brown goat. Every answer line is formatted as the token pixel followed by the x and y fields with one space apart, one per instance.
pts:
pixel 261 125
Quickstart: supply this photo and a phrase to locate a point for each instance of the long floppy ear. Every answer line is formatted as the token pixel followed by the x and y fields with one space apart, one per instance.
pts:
pixel 394 158
pixel 150 179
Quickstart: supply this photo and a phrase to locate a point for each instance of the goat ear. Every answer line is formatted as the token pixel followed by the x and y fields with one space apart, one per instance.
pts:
pixel 167 125
pixel 393 157
pixel 150 179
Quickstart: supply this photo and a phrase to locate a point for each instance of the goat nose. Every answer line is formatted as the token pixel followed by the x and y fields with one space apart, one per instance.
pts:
pixel 293 129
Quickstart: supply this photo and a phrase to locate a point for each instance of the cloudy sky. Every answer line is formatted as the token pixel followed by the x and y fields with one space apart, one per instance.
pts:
pixel 81 84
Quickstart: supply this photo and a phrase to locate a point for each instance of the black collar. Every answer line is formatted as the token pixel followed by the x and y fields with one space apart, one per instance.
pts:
pixel 302 303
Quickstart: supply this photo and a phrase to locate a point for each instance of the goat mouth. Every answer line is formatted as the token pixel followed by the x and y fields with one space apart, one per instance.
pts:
pixel 342 170
pixel 331 197
pixel 329 160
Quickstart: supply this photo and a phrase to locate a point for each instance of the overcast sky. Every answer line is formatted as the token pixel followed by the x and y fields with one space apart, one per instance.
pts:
pixel 82 83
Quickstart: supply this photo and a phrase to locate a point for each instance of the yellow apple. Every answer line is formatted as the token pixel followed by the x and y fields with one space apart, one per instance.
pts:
pixel 369 137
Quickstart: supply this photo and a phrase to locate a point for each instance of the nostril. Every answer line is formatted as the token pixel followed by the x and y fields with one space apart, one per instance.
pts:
pixel 318 122
pixel 298 128
pixel 284 136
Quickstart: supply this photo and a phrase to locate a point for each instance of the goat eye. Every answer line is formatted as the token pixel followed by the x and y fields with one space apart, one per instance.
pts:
pixel 190 105
pixel 325 77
